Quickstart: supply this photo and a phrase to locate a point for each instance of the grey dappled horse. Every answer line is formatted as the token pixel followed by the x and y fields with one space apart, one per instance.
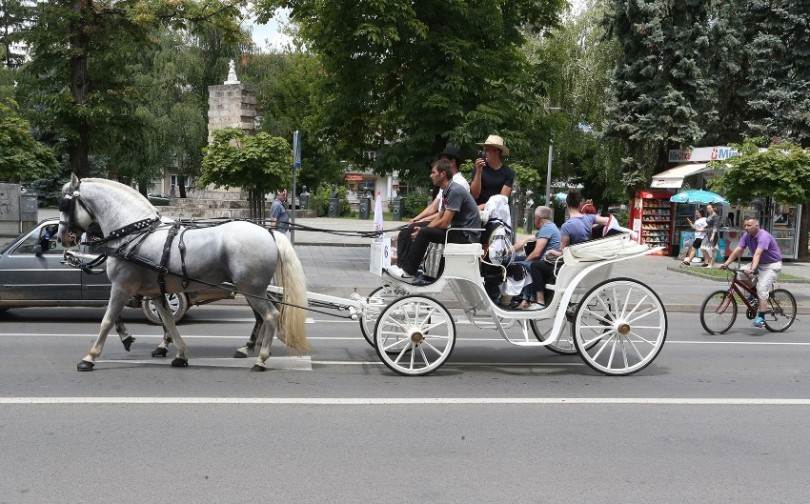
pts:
pixel 237 252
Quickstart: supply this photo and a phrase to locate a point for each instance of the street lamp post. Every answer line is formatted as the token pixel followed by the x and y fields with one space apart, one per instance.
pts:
pixel 548 172
pixel 550 157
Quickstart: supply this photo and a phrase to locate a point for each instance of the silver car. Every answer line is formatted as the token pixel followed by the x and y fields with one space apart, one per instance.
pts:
pixel 32 274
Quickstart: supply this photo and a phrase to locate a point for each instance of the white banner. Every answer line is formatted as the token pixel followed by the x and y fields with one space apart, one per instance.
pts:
pixel 380 255
pixel 702 154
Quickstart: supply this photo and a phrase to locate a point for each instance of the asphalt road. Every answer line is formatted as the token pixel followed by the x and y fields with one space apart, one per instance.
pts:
pixel 713 419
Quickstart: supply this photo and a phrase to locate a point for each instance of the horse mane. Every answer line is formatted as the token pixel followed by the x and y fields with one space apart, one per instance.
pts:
pixel 118 185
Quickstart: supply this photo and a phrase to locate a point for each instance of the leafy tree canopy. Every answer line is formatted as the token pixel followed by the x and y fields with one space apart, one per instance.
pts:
pixel 403 78
pixel 782 172
pixel 21 157
pixel 258 162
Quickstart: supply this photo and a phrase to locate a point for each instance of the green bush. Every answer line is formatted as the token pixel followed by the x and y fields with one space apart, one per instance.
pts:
pixel 319 200
pixel 414 202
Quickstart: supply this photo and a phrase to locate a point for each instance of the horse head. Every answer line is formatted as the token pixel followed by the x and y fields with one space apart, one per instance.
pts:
pixel 73 214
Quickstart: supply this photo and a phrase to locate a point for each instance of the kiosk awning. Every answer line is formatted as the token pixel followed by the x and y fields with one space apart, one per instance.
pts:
pixel 673 178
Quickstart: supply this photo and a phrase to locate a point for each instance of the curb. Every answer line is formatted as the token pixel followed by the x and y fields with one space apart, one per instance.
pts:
pixel 698 273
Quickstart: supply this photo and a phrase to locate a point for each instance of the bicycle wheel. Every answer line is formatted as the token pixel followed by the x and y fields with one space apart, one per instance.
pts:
pixel 783 311
pixel 718 312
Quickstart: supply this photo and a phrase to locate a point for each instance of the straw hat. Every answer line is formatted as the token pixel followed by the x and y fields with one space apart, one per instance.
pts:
pixel 497 142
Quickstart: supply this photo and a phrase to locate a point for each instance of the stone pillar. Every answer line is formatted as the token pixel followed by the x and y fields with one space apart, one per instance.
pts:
pixel 231 106
pixel 9 210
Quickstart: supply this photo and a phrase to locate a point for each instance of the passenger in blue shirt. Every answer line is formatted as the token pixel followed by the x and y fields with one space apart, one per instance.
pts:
pixel 546 239
pixel 579 226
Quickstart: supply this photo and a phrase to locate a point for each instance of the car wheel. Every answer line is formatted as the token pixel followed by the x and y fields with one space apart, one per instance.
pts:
pixel 178 304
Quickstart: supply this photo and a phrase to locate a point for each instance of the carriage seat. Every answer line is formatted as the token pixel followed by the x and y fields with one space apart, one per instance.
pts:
pixel 456 249
pixel 602 249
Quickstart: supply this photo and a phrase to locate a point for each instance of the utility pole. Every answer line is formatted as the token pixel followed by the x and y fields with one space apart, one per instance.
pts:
pixel 295 168
pixel 548 173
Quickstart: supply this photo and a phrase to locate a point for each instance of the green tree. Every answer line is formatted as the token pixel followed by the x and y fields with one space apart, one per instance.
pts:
pixel 782 172
pixel 81 74
pixel 14 15
pixel 288 90
pixel 576 61
pixel 22 158
pixel 259 163
pixel 404 77
pixel 659 86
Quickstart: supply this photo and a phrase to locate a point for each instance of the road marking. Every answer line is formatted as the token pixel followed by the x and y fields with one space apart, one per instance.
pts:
pixel 387 401
pixel 280 363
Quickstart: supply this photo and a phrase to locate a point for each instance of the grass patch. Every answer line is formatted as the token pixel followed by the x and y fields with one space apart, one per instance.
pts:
pixel 721 275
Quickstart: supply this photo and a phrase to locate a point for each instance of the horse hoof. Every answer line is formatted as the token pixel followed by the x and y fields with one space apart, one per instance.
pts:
pixel 257 368
pixel 160 352
pixel 239 354
pixel 84 365
pixel 179 362
pixel 128 341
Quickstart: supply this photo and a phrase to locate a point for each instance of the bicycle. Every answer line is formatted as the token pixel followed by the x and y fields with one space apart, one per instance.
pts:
pixel 719 310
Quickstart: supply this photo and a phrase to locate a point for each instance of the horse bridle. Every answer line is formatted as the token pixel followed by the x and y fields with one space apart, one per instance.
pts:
pixel 68 207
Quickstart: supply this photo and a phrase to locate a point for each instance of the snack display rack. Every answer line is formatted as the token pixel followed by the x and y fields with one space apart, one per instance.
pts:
pixel 652 217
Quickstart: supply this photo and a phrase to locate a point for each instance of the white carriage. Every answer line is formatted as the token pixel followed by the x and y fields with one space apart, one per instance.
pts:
pixel 617 325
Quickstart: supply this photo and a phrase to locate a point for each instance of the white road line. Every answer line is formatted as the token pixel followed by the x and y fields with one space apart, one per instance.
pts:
pixel 386 401
pixel 360 338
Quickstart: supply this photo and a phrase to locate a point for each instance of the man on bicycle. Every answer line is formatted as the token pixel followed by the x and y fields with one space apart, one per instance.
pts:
pixel 767 258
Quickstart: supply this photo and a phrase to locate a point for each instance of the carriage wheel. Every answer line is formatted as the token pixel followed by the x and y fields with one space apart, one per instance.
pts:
pixel 564 344
pixel 718 313
pixel 414 335
pixel 636 324
pixel 783 310
pixel 378 299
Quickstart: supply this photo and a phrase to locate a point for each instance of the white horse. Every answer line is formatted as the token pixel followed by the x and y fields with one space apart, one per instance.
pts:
pixel 238 253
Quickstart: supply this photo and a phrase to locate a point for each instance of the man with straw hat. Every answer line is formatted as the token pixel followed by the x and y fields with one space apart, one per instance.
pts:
pixel 491 176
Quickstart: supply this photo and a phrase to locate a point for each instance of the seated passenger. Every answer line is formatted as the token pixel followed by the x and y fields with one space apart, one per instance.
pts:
pixel 579 227
pixel 458 210
pixel 546 239
pixel 452 154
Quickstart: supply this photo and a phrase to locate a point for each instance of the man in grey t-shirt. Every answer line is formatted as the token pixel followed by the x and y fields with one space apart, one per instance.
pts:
pixel 459 210
pixel 279 219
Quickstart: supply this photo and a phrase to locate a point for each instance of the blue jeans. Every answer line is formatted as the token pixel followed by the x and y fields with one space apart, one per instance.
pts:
pixel 528 291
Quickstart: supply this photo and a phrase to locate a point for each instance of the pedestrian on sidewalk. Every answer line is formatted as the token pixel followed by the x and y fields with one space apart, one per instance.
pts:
pixel 279 219
pixel 700 234
pixel 712 235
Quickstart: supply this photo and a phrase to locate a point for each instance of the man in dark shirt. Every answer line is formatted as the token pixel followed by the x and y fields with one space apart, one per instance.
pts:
pixel 458 210
pixel 491 176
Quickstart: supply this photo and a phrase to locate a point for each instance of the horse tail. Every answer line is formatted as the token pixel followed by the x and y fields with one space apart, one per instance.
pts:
pixel 290 277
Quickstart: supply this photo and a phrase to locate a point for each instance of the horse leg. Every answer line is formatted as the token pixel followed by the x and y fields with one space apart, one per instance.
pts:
pixel 269 316
pixel 242 352
pixel 163 347
pixel 126 338
pixel 118 299
pixel 180 360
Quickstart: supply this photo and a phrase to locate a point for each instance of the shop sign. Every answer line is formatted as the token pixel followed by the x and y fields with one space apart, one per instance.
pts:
pixel 702 154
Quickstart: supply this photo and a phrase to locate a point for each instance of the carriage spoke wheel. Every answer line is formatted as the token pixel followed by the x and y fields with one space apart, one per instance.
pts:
pixel 564 344
pixel 620 326
pixel 782 307
pixel 718 313
pixel 378 299
pixel 414 335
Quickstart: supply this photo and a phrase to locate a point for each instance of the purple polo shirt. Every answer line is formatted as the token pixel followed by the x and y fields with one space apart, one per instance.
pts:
pixel 762 240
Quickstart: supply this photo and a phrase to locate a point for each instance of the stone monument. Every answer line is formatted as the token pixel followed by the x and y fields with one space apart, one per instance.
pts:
pixel 231 105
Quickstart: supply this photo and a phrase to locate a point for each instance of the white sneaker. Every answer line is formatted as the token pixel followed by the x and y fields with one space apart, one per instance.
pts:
pixel 396 272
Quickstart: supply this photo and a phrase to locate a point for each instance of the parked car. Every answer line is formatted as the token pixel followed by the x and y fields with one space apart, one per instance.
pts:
pixel 32 274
